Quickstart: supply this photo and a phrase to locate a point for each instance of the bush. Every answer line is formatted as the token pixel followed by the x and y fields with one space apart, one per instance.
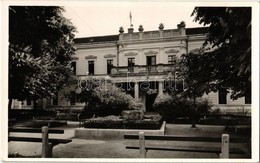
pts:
pixel 115 122
pixel 148 122
pixel 112 122
pixel 172 108
pixel 110 102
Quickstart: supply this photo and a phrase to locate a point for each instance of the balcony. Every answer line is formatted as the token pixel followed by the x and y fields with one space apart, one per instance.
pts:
pixel 143 70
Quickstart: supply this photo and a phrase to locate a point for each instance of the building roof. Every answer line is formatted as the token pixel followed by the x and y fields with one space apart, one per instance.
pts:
pixel 109 38
pixel 198 30
pixel 97 39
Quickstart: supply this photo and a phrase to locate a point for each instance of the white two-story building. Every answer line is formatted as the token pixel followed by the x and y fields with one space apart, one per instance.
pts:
pixel 139 62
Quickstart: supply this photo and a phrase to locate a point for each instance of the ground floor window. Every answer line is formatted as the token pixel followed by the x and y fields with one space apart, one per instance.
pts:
pixel 222 96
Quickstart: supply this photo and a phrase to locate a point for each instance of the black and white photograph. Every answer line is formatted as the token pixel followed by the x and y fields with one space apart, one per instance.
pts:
pixel 130 81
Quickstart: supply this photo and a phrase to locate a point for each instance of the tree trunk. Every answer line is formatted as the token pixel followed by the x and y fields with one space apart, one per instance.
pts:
pixel 193 112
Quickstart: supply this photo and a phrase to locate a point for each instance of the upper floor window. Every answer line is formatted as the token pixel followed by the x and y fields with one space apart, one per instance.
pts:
pixel 171 59
pixel 131 62
pixel 222 96
pixel 73 67
pixel 109 66
pixel 91 67
pixel 151 60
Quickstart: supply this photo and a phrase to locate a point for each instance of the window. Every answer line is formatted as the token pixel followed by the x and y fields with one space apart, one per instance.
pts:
pixel 73 67
pixel 91 68
pixel 131 62
pixel 171 59
pixel 28 101
pixel 222 96
pixel 72 98
pixel 248 97
pixel 55 99
pixel 109 66
pixel 151 60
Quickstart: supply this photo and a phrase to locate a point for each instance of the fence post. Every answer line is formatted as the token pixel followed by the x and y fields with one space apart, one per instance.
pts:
pixel 225 146
pixel 45 142
pixel 142 145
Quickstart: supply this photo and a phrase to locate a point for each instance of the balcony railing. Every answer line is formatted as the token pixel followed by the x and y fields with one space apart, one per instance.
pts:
pixel 143 69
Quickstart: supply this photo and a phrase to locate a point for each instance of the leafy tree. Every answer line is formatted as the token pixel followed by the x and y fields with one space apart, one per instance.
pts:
pixel 40 50
pixel 172 107
pixel 197 77
pixel 229 35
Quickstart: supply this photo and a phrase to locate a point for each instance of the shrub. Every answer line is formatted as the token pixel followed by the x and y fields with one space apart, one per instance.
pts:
pixel 110 102
pixel 148 122
pixel 112 122
pixel 172 108
pixel 115 122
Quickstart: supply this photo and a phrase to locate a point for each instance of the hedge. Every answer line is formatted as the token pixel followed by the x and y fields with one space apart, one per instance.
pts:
pixel 114 122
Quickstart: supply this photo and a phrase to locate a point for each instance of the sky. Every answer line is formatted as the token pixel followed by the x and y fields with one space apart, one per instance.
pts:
pixel 106 18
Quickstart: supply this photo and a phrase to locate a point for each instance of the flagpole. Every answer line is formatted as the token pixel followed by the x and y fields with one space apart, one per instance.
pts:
pixel 130 15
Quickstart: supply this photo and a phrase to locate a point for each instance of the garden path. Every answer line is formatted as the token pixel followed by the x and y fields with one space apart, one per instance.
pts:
pixel 81 148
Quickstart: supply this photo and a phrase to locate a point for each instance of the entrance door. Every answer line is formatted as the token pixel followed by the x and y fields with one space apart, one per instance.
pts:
pixel 149 102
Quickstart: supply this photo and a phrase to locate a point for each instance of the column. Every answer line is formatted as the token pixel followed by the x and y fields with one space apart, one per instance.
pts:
pixel 160 92
pixel 136 91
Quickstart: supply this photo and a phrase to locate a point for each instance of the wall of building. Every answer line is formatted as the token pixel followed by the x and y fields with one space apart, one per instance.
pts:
pixel 100 57
pixel 161 43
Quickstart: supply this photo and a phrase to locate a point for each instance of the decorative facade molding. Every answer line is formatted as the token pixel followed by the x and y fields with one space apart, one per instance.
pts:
pixel 91 57
pixel 172 51
pixel 151 52
pixel 109 56
pixel 131 54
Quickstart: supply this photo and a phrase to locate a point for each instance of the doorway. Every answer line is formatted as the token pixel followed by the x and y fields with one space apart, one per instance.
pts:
pixel 149 102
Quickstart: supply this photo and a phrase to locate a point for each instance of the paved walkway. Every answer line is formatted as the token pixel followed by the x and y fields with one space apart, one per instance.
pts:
pixel 82 148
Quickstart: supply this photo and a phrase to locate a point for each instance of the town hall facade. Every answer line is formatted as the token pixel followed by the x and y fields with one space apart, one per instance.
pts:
pixel 139 62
